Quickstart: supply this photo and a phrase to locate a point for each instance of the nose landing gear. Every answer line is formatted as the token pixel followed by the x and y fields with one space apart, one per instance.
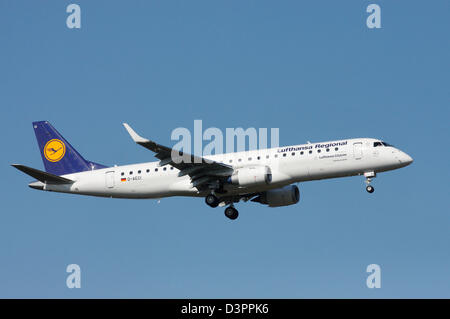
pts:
pixel 369 176
pixel 370 189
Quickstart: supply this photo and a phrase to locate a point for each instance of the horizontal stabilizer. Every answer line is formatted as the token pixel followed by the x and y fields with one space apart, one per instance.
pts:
pixel 44 177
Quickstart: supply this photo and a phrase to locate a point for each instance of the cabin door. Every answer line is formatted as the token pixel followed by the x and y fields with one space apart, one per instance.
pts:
pixel 109 179
pixel 357 150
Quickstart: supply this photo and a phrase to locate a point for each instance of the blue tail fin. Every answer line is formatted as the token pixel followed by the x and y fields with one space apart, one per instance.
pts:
pixel 59 156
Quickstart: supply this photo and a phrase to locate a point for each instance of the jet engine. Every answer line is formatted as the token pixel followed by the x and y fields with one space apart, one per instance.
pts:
pixel 252 176
pixel 287 195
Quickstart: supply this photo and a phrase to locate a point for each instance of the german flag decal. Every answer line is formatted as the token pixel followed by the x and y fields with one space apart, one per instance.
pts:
pixel 123 179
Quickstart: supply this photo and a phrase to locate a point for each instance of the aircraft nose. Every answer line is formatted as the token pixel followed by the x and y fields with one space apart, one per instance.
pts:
pixel 405 158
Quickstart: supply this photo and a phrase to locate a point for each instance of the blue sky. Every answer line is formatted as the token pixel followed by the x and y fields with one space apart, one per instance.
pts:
pixel 311 68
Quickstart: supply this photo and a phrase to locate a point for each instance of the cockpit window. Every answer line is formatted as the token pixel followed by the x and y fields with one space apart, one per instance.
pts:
pixel 377 144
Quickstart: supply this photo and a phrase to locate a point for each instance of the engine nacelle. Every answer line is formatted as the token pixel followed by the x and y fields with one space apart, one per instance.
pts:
pixel 287 195
pixel 252 176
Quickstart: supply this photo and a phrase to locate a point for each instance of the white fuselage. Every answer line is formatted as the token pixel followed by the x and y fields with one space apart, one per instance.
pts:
pixel 288 165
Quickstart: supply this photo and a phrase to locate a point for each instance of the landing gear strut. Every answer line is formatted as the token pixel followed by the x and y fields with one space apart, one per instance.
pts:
pixel 231 212
pixel 369 176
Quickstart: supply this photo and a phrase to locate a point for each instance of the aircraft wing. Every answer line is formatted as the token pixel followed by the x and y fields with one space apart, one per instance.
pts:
pixel 201 170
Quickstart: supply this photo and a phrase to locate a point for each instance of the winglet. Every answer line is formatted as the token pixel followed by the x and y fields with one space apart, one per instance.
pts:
pixel 135 136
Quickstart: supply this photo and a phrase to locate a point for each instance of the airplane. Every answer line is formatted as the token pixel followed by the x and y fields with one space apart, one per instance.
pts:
pixel 265 176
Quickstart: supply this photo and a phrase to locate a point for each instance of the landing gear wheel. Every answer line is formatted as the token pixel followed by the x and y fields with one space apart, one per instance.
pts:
pixel 231 213
pixel 212 200
pixel 369 176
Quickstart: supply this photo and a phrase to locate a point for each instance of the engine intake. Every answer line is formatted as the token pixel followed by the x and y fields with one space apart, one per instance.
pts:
pixel 252 176
pixel 287 195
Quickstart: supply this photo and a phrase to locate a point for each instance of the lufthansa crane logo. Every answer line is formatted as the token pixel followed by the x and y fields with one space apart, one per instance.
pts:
pixel 54 150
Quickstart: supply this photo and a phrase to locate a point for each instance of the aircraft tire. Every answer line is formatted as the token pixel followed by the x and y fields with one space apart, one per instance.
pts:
pixel 231 212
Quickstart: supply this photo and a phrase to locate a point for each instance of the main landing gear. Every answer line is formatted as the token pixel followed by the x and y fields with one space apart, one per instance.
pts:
pixel 213 201
pixel 231 212
pixel 369 176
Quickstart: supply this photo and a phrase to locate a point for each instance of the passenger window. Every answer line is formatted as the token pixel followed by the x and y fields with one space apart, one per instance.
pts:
pixel 267 156
pixel 284 155
pixel 328 149
pixel 148 171
pixel 259 157
pixel 249 158
pixel 310 152
pixel 122 173
pixel 301 153
pixel 156 169
pixel 131 173
pixel 139 172
pixel 171 167
pixel 164 168
pixel 239 160
pixel 336 148
pixel 293 154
